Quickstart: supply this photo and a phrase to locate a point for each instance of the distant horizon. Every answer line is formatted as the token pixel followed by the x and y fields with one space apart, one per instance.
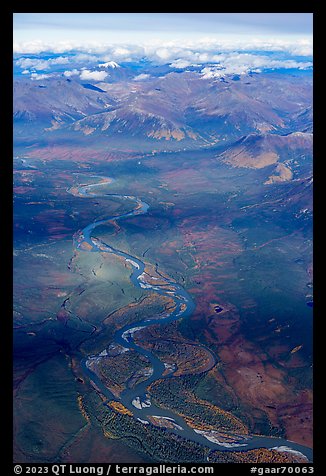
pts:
pixel 99 29
pixel 215 44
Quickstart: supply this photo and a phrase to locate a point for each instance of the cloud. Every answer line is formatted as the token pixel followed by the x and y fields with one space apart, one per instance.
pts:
pixel 141 77
pixel 126 53
pixel 181 63
pixel 34 63
pixel 40 64
pixel 72 72
pixel 300 47
pixel 121 52
pixel 58 60
pixel 39 46
pixel 302 50
pixel 86 74
pixel 227 55
pixel 83 58
pixel 38 77
pixel 243 63
pixel 168 49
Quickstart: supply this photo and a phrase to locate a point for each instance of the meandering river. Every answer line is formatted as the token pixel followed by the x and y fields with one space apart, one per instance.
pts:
pixel 137 400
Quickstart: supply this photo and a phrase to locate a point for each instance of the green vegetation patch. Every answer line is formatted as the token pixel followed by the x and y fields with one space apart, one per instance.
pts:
pixel 158 443
pixel 175 394
pixel 46 412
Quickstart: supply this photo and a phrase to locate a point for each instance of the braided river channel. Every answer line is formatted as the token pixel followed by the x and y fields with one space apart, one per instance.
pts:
pixel 137 399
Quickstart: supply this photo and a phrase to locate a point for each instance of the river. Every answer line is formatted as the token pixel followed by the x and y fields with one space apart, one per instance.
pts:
pixel 136 399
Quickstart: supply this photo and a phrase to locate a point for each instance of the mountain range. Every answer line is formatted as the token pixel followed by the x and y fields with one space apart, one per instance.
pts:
pixel 180 108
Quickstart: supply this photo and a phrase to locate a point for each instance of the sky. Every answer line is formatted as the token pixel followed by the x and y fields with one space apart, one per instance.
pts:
pixel 137 28
pixel 235 42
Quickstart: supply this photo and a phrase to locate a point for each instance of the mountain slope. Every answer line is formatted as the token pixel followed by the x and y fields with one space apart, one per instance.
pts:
pixel 177 107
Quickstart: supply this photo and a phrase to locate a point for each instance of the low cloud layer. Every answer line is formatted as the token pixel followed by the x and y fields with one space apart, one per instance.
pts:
pixel 41 64
pixel 94 61
pixel 244 63
pixel 93 75
pixel 167 50
pixel 141 77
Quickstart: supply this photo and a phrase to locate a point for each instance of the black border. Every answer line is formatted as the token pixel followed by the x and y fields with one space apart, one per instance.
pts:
pixel 7 208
